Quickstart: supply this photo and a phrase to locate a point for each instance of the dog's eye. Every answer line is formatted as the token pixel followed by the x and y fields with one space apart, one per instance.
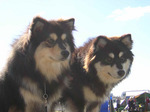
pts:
pixel 65 40
pixel 108 60
pixel 51 41
pixel 122 59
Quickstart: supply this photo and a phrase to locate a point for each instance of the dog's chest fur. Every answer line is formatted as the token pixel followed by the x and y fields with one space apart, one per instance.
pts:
pixel 96 92
pixel 33 94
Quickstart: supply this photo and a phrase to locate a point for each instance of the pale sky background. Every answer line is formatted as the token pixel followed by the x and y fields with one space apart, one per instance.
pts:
pixel 92 18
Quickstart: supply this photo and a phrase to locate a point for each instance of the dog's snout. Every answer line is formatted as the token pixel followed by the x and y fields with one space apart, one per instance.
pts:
pixel 65 53
pixel 121 72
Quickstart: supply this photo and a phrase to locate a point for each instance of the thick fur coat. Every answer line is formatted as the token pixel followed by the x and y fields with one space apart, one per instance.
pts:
pixel 96 68
pixel 37 68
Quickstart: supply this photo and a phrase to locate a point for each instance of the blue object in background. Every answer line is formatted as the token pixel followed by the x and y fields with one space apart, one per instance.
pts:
pixel 104 107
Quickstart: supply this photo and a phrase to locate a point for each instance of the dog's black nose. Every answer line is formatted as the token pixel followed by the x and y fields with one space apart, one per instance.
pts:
pixel 121 72
pixel 65 53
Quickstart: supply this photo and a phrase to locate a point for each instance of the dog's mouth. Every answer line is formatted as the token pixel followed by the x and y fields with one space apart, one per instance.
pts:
pixel 62 59
pixel 114 76
pixel 110 74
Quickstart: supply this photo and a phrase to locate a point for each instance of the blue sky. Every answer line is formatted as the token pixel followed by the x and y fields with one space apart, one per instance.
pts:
pixel 92 18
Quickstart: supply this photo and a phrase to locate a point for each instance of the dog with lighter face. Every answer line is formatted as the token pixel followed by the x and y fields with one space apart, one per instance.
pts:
pixel 38 66
pixel 97 67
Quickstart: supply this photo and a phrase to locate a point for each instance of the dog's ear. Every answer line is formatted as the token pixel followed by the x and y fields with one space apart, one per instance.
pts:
pixel 70 22
pixel 38 24
pixel 126 40
pixel 100 43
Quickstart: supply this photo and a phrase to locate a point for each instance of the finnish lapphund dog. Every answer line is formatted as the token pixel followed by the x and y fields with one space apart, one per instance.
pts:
pixel 96 68
pixel 37 68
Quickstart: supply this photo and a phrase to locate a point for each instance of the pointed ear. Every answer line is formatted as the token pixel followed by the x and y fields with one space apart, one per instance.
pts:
pixel 70 23
pixel 38 24
pixel 100 42
pixel 126 40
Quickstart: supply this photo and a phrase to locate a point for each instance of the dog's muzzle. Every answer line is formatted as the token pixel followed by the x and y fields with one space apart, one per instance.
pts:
pixel 121 73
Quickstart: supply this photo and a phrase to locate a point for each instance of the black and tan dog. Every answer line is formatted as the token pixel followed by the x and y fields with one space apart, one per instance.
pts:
pixel 96 68
pixel 37 69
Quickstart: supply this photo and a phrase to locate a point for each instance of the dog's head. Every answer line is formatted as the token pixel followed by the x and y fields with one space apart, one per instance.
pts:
pixel 111 58
pixel 54 39
pixel 51 44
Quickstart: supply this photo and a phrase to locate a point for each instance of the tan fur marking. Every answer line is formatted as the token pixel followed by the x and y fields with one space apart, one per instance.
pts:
pixel 28 96
pixel 32 100
pixel 53 36
pixel 120 54
pixel 89 95
pixel 90 98
pixel 29 84
pixel 111 55
pixel 126 65
pixel 63 36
